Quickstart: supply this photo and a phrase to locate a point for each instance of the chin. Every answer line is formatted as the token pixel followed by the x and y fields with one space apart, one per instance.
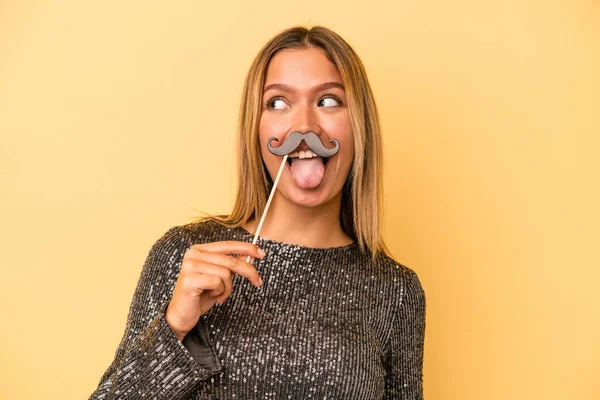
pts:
pixel 315 197
pixel 307 197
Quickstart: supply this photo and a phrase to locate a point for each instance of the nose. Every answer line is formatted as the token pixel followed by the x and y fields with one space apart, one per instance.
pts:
pixel 305 120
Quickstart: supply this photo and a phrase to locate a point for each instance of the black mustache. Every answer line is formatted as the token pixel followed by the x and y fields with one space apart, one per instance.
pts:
pixel 313 141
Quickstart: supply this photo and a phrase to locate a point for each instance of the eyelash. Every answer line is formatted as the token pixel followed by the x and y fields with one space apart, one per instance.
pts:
pixel 270 102
pixel 331 96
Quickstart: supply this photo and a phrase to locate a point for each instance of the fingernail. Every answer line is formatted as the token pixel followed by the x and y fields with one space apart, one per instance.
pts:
pixel 261 252
pixel 260 281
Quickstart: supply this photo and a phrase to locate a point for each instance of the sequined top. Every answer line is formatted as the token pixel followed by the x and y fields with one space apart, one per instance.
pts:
pixel 328 323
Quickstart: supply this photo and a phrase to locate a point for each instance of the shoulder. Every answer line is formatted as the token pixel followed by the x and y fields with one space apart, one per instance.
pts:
pixel 169 248
pixel 386 264
pixel 404 280
pixel 200 231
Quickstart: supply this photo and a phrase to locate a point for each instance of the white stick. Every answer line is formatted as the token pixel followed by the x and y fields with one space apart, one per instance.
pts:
pixel 262 219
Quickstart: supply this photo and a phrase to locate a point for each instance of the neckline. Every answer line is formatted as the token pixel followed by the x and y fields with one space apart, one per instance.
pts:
pixel 272 242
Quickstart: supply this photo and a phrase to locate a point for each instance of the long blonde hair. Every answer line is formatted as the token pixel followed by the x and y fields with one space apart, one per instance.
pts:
pixel 361 208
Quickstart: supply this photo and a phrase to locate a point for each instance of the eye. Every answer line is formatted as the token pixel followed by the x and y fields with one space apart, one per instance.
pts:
pixel 329 101
pixel 276 103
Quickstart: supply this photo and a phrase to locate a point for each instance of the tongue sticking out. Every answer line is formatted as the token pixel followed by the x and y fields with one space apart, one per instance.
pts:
pixel 307 172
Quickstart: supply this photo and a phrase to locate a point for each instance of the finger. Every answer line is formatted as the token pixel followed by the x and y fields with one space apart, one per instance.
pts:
pixel 216 270
pixel 231 247
pixel 219 289
pixel 221 299
pixel 198 283
pixel 232 263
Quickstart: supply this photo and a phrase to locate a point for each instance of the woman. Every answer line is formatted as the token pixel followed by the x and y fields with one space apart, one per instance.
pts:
pixel 323 312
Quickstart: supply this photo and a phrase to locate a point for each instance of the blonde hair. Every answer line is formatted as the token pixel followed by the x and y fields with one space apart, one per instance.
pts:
pixel 361 208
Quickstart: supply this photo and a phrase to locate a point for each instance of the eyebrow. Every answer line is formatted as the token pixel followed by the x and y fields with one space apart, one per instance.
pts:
pixel 318 88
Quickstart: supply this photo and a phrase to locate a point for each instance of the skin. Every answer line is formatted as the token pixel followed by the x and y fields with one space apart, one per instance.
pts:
pixel 303 92
pixel 205 278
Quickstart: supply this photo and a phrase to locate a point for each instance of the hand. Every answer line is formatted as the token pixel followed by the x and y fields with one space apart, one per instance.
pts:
pixel 206 278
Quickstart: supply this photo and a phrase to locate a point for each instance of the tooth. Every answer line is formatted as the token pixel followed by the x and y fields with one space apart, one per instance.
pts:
pixel 301 154
pixel 294 154
pixel 307 154
pixel 314 154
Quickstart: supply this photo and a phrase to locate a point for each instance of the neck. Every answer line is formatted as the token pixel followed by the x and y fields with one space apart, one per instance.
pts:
pixel 305 226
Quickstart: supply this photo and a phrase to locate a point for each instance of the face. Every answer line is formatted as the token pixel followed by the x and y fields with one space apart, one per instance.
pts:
pixel 304 92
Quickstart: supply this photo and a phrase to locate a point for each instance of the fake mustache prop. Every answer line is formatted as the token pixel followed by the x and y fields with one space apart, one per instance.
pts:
pixel 312 140
pixel 290 144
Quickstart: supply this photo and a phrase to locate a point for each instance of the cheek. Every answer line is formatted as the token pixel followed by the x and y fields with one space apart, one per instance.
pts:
pixel 348 154
pixel 266 130
pixel 343 133
pixel 348 160
pixel 270 126
pixel 271 161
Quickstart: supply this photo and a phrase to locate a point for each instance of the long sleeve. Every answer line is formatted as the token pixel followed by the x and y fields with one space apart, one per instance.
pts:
pixel 404 355
pixel 150 362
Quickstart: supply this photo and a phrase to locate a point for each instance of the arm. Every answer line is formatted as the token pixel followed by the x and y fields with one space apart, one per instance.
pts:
pixel 150 361
pixel 404 352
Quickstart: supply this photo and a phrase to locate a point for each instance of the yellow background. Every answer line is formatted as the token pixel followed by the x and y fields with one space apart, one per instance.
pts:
pixel 117 122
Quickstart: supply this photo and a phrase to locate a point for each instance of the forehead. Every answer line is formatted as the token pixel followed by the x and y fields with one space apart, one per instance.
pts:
pixel 301 67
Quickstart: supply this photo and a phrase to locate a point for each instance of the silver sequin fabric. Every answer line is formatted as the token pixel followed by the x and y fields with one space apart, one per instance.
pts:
pixel 332 323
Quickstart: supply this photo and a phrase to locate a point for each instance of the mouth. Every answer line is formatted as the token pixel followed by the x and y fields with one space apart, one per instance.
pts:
pixel 305 154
